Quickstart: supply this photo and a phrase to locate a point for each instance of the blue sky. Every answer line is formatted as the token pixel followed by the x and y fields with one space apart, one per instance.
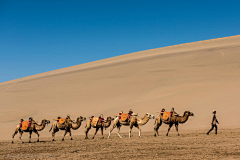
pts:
pixel 43 35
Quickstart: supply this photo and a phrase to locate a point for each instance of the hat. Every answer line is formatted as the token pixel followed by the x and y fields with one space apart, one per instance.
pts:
pixel 21 120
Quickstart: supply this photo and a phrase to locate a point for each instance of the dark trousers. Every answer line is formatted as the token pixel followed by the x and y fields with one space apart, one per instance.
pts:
pixel 213 128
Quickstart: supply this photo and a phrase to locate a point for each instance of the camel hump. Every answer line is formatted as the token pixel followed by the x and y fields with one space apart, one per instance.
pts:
pixel 166 115
pixel 24 125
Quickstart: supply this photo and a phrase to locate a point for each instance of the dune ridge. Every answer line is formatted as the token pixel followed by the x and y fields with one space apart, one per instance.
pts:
pixel 211 43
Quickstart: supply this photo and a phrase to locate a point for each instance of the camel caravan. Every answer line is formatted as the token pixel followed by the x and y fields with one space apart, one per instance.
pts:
pixel 129 119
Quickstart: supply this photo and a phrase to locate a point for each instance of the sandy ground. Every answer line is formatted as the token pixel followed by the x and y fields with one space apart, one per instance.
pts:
pixel 197 77
pixel 191 144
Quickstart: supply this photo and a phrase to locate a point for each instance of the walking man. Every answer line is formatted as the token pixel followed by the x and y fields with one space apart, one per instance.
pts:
pixel 214 123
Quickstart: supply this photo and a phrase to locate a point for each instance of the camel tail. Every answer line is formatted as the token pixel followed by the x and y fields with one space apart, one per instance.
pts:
pixel 50 129
pixel 155 121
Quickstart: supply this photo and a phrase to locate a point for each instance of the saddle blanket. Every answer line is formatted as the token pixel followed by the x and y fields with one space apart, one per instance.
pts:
pixel 166 115
pixel 62 120
pixel 24 125
pixel 95 121
pixel 124 116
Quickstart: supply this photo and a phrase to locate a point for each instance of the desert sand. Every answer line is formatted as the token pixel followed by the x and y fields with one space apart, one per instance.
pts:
pixel 190 145
pixel 199 77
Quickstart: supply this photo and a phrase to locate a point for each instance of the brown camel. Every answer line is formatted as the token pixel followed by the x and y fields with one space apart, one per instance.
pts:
pixel 134 121
pixel 103 124
pixel 67 126
pixel 33 128
pixel 175 119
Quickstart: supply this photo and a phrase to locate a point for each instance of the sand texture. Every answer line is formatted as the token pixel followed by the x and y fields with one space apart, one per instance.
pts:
pixel 198 77
pixel 190 145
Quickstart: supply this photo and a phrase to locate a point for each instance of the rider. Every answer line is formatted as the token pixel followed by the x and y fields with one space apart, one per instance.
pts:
pixel 91 118
pixel 67 118
pixel 100 118
pixel 30 121
pixel 21 120
pixel 162 111
pixel 120 114
pixel 130 112
pixel 58 118
pixel 173 112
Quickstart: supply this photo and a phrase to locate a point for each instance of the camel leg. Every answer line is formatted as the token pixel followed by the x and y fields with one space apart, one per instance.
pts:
pixel 35 131
pixel 95 132
pixel 102 132
pixel 64 135
pixel 139 130
pixel 170 126
pixel 30 135
pixel 70 134
pixel 157 127
pixel 86 132
pixel 15 132
pixel 130 129
pixel 114 125
pixel 20 135
pixel 119 131
pixel 176 125
pixel 53 134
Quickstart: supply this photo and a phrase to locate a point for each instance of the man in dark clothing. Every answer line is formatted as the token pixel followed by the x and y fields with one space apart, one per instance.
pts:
pixel 213 123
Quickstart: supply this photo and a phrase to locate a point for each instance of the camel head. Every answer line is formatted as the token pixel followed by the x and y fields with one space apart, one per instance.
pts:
pixel 109 119
pixel 46 121
pixel 81 118
pixel 149 115
pixel 188 113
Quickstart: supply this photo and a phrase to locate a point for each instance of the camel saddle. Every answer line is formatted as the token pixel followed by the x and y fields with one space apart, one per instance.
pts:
pixel 62 120
pixel 166 115
pixel 95 121
pixel 124 117
pixel 24 125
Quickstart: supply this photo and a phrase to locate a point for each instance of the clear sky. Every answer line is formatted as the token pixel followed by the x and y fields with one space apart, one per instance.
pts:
pixel 42 35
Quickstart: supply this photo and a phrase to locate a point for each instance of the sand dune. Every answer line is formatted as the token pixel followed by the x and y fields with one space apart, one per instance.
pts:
pixel 199 77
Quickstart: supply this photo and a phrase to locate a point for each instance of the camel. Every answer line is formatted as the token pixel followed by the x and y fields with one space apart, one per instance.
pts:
pixel 134 121
pixel 104 124
pixel 175 119
pixel 67 126
pixel 33 128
